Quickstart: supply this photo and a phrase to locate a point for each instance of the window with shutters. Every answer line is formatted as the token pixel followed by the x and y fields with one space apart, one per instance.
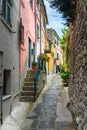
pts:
pixel 38 31
pixel 38 4
pixel 44 23
pixel 58 56
pixel 31 3
pixel 37 1
pixel 6 11
pixel 49 46
pixel 21 32
pixel 0 7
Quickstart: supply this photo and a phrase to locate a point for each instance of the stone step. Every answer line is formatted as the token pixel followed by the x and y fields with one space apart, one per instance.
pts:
pixel 27 98
pixel 29 79
pixel 28 83
pixel 27 93
pixel 30 71
pixel 28 88
pixel 30 75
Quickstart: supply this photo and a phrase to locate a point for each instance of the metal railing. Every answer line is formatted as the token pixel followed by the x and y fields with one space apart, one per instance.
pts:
pixel 41 66
pixel 37 72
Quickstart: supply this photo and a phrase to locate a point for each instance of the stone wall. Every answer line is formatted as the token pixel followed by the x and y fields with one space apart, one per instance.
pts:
pixel 42 81
pixel 78 67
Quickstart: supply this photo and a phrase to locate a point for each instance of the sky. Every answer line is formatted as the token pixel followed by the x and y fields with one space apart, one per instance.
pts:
pixel 54 18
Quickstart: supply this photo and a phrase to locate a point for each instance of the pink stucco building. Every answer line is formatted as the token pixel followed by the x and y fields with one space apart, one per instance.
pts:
pixel 27 35
pixel 33 21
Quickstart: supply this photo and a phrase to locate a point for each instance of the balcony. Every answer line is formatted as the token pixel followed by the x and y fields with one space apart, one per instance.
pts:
pixel 47 50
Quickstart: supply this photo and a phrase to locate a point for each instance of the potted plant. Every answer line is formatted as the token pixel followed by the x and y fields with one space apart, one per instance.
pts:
pixel 65 77
pixel 34 64
pixel 44 57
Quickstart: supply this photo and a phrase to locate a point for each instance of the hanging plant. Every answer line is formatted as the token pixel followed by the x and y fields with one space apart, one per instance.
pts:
pixel 44 57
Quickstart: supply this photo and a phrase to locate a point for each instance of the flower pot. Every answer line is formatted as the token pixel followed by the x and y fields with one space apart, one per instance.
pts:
pixel 34 67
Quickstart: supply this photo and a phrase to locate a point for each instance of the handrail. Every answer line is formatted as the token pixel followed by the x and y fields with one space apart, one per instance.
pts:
pixel 41 66
pixel 37 72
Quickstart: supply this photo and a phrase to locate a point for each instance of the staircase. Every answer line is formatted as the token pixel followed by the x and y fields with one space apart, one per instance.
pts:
pixel 27 93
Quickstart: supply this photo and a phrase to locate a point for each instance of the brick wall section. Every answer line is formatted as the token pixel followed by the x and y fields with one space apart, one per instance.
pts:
pixel 78 67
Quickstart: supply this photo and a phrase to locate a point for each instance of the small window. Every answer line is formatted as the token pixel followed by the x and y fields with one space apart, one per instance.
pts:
pixel 49 45
pixel 37 1
pixel 6 11
pixel 0 7
pixel 33 51
pixel 31 3
pixel 37 31
pixel 44 23
pixel 6 82
pixel 58 56
pixel 21 32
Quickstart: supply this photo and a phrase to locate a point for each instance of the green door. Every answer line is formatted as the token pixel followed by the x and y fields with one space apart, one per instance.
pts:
pixel 29 54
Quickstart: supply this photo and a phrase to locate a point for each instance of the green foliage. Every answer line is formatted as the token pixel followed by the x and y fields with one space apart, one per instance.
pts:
pixel 44 57
pixel 65 75
pixel 63 40
pixel 66 7
pixel 67 55
pixel 34 63
pixel 64 67
pixel 64 71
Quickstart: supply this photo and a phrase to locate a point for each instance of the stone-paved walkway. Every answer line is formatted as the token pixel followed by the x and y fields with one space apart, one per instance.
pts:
pixel 49 111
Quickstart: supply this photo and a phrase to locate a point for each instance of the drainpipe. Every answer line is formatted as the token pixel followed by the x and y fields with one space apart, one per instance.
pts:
pixel 1 111
pixel 40 28
pixel 35 28
pixel 1 87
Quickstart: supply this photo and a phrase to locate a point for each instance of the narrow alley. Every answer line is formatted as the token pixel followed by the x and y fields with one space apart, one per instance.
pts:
pixel 49 111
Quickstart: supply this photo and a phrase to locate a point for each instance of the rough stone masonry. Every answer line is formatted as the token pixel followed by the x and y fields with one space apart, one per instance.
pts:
pixel 78 67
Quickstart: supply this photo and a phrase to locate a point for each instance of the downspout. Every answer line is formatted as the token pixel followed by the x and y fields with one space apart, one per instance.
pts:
pixel 1 87
pixel 40 28
pixel 1 93
pixel 19 48
pixel 35 26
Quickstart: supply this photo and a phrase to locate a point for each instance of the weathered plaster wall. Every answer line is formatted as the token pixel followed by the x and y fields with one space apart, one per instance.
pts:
pixel 78 67
pixel 10 47
pixel 28 21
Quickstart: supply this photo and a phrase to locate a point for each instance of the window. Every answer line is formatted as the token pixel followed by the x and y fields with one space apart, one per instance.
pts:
pixel 33 51
pixel 58 56
pixel 6 11
pixel 6 82
pixel 37 31
pixel 49 45
pixel 44 23
pixel 38 4
pixel 21 32
pixel 57 42
pixel 37 1
pixel 31 3
pixel 0 6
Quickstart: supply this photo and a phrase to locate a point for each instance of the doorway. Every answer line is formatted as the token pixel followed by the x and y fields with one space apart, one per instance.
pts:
pixel 6 82
pixel 29 54
pixel 34 51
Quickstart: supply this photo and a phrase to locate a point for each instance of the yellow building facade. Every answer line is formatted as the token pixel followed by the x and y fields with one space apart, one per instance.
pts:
pixel 52 43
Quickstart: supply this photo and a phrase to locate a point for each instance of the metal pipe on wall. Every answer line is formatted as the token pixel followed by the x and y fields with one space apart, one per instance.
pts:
pixel 1 86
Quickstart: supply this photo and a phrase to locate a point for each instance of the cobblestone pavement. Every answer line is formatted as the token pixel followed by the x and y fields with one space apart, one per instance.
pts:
pixel 49 111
